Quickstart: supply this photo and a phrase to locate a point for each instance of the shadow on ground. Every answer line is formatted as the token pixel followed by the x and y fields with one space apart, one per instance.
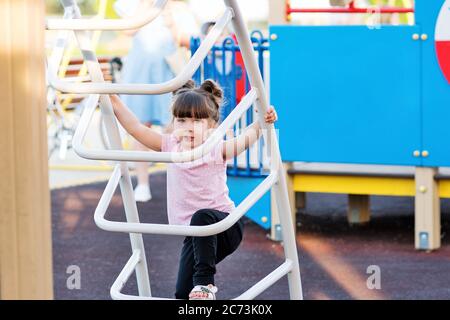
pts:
pixel 334 257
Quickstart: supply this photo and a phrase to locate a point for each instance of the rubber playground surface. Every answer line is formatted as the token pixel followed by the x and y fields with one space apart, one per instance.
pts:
pixel 334 257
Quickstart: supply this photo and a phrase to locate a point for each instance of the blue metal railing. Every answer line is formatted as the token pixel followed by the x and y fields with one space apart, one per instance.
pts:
pixel 224 65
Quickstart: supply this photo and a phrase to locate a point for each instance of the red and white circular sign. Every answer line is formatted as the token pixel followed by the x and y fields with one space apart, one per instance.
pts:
pixel 442 39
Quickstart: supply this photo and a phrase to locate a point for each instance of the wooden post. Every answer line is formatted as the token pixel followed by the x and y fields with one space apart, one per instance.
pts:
pixel 427 210
pixel 300 200
pixel 25 221
pixel 358 210
pixel 277 12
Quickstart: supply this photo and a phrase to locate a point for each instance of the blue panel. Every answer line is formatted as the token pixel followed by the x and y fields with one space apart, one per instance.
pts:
pixel 240 187
pixel 436 91
pixel 347 93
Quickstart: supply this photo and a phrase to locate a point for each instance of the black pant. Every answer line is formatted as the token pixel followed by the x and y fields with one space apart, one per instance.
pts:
pixel 200 255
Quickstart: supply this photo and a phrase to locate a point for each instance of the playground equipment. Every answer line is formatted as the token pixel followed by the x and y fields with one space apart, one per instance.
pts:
pixel 98 91
pixel 351 8
pixel 64 110
pixel 376 98
pixel 395 11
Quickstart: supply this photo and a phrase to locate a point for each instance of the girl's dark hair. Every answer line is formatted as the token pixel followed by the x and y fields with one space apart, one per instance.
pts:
pixel 201 102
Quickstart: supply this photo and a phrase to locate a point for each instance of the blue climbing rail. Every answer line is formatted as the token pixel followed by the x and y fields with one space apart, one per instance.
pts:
pixel 224 64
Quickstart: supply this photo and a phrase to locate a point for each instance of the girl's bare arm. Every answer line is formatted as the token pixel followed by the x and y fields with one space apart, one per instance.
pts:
pixel 251 134
pixel 145 135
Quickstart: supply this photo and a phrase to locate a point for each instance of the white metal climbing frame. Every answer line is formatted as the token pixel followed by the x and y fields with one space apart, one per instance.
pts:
pixel 99 91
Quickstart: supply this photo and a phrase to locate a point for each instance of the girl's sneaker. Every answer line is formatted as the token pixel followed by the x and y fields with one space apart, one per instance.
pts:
pixel 142 193
pixel 203 292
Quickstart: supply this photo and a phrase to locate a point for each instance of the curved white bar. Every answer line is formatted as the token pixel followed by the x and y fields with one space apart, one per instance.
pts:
pixel 197 231
pixel 267 281
pixel 159 88
pixel 251 293
pixel 123 277
pixel 186 156
pixel 135 22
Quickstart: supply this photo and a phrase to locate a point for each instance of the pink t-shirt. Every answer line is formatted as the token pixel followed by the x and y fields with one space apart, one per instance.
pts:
pixel 195 185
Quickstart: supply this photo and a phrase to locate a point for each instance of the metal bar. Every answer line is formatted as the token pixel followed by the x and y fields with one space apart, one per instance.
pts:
pixel 280 188
pixel 139 88
pixel 110 188
pixel 267 281
pixel 136 22
pixel 351 10
pixel 86 117
pixel 236 48
pixel 194 45
pixel 186 156
pixel 288 10
pixel 123 277
pixel 288 228
pixel 213 70
pixel 55 61
pixel 249 121
pixel 60 44
pixel 233 89
pixel 77 79
pixel 125 274
pixel 222 76
pixel 198 231
pixel 112 129
pixel 251 293
pixel 228 45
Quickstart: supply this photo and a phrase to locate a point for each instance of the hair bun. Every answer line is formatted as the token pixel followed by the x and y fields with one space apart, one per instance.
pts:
pixel 190 85
pixel 212 88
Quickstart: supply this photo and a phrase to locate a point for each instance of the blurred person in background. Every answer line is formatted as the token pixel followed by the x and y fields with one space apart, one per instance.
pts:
pixel 156 56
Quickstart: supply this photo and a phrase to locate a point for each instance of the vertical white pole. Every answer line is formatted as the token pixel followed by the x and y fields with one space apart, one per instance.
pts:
pixel 280 188
pixel 112 129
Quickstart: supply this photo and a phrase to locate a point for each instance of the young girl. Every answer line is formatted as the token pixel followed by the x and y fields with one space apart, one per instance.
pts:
pixel 197 192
